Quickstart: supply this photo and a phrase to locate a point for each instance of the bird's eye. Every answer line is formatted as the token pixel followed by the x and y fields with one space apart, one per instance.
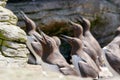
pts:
pixel 75 27
pixel 49 42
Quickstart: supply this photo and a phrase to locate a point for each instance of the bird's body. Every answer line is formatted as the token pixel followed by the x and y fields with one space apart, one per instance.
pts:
pixel 112 52
pixel 32 42
pixel 93 42
pixel 78 33
pixel 85 60
pixel 85 23
pixel 52 55
pixel 35 46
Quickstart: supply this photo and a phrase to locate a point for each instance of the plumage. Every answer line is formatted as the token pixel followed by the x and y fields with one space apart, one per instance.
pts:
pixel 78 33
pixel 35 46
pixel 112 51
pixel 52 55
pixel 84 58
pixel 85 23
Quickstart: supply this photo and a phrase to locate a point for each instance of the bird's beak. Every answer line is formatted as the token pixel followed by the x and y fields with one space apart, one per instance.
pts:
pixel 44 36
pixel 40 39
pixel 66 38
pixel 71 22
pixel 74 25
pixel 80 19
pixel 23 15
pixel 39 30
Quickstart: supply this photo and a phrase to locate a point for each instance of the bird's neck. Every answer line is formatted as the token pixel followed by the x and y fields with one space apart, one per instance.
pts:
pixel 75 51
pixel 87 33
pixel 79 36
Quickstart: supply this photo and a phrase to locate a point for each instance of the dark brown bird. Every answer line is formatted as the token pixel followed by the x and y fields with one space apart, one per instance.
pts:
pixel 30 25
pixel 86 65
pixel 32 41
pixel 57 40
pixel 52 55
pixel 90 38
pixel 78 33
pixel 35 46
pixel 112 51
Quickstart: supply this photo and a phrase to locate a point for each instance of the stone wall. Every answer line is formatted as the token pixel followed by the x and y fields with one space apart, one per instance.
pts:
pixel 13 50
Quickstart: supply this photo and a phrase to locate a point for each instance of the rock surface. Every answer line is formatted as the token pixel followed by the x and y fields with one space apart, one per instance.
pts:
pixel 31 72
pixel 35 72
pixel 12 33
pixel 13 50
pixel 6 16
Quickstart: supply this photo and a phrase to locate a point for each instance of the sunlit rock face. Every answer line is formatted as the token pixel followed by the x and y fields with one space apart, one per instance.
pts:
pixel 13 50
pixel 7 17
pixel 3 3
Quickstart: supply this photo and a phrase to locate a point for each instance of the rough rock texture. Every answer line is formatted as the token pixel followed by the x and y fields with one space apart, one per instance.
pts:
pixel 104 14
pixel 32 72
pixel 13 50
pixel 12 33
pixel 6 16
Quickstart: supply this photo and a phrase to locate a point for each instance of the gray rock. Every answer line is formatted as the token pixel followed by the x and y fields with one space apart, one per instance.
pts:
pixel 12 33
pixel 13 52
pixel 7 16
pixel 19 52
pixel 13 45
pixel 3 3
pixel 12 62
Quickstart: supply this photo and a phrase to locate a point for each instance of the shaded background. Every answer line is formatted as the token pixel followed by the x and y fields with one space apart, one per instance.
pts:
pixel 52 16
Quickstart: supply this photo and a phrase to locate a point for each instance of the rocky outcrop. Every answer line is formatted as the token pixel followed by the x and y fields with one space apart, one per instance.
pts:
pixel 13 50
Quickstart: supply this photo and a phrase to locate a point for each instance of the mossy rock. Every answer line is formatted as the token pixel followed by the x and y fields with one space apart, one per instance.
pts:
pixel 7 16
pixel 12 33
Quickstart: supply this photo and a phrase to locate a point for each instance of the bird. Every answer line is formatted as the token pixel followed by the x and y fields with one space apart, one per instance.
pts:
pixel 57 40
pixel 35 46
pixel 85 23
pixel 32 42
pixel 112 51
pixel 30 25
pixel 52 55
pixel 83 62
pixel 78 33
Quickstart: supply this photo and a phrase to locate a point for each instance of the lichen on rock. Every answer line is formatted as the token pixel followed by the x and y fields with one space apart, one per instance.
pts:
pixel 7 16
pixel 13 50
pixel 12 33
pixel 3 3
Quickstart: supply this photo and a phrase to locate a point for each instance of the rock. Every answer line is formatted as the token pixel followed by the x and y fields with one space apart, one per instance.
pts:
pixel 12 33
pixel 7 16
pixel 12 61
pixel 13 51
pixel 105 73
pixel 115 2
pixel 32 72
pixel 3 3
